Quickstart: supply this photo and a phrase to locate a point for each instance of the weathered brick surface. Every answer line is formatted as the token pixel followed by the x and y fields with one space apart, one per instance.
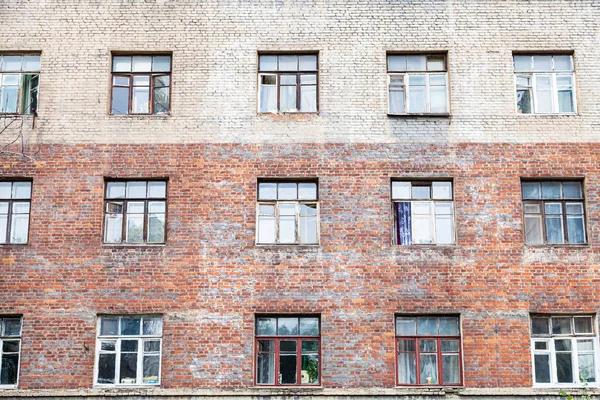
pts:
pixel 210 278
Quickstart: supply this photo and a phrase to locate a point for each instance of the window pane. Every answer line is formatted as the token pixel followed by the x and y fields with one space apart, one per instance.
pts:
pixel 130 326
pixel 533 229
pixel 308 79
pixel 106 368
pixel 428 346
pixel 522 63
pixel 427 326
pixel 268 98
pixel 20 228
pixel 287 326
pixel 554 229
pixel 437 99
pixel 288 79
pixel 540 326
pixel 542 63
pixel 308 223
pixel 436 63
pixel 120 100
pixel 121 64
pixel 541 345
pixel 156 228
pixel 524 101
pixel 268 63
pixel 21 190
pixel 161 100
pixel 266 229
pixel 429 369
pixel 401 190
pixel 564 368
pixel 587 369
pixel 308 63
pixel 542 368
pixel 157 189
pixel 583 324
pixel 444 229
pixel 266 346
pixel 3 227
pixel 108 346
pixel 584 345
pixel 308 99
pixel 267 191
pixel 442 190
pixel 5 190
pixel 572 190
pixel 152 326
pixel 450 368
pixel 565 101
pixel 307 191
pixel 287 228
pixel 396 63
pixel 129 346
pixel 287 100
pixel 141 100
pixel 128 370
pixel 310 369
pixel 288 63
pixel 9 99
pixel 141 64
pixel 421 192
pixel 404 234
pixel 415 63
pixel 309 327
pixel 265 370
pixel 141 80
pixel 531 190
pixel 562 344
pixel 161 63
pixel 113 228
pixel 136 190
pixel 115 190
pixel 397 100
pixel 109 326
pixel 575 229
pixel 563 63
pixel 120 81
pixel 417 101
pixel 448 326
pixel 406 326
pixel 135 228
pixel 151 365
pixel 287 368
pixel 287 191
pixel 266 326
pixel 544 94
pixel 407 366
pixel 450 346
pixel 12 327
pixel 561 325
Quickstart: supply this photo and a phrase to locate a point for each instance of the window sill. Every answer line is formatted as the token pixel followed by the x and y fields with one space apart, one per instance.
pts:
pixel 139 115
pixel 3 387
pixel 565 246
pixel 288 387
pixel 134 245
pixel 308 248
pixel 11 245
pixel 545 115
pixel 426 246
pixel 420 115
pixel 117 387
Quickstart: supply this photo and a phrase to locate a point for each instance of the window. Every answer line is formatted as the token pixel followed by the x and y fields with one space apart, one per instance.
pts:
pixel 288 347
pixel 128 350
pixel 135 211
pixel 545 84
pixel 288 213
pixel 564 349
pixel 141 84
pixel 19 83
pixel 423 212
pixel 553 212
pixel 15 203
pixel 10 349
pixel 428 350
pixel 417 83
pixel 287 83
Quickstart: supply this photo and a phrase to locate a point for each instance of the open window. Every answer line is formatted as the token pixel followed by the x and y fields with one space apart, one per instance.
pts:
pixel 19 83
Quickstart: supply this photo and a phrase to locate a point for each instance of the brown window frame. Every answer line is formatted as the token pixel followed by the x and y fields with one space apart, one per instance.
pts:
pixel 131 85
pixel 542 202
pixel 298 73
pixel 9 215
pixel 124 213
pixel 277 339
pixel 438 338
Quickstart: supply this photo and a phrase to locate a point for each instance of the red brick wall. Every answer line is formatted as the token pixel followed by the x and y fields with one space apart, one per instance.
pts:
pixel 210 278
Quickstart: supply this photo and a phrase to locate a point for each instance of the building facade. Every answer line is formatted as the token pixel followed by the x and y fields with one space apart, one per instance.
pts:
pixel 299 198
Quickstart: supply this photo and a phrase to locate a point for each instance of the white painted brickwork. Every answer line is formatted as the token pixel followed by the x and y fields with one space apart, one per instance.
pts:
pixel 215 45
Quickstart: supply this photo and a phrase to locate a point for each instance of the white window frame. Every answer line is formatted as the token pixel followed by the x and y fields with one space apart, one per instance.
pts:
pixel 11 338
pixel 141 338
pixel 551 351
pixel 260 86
pixel 534 75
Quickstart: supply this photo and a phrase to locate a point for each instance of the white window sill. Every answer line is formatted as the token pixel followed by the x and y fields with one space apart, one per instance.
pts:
pixel 526 115
pixel 2 387
pixel 132 386
pixel 421 115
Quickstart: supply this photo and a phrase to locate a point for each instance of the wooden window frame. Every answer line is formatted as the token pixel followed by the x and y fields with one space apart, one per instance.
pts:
pixel 131 75
pixel 406 74
pixel 118 338
pixel 125 201
pixel 438 338
pixel 298 202
pixel 19 338
pixel 417 182
pixel 299 73
pixel 551 351
pixel 11 201
pixel 542 202
pixel 276 341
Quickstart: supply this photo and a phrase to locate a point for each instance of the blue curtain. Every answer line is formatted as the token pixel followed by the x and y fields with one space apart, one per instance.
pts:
pixel 404 223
